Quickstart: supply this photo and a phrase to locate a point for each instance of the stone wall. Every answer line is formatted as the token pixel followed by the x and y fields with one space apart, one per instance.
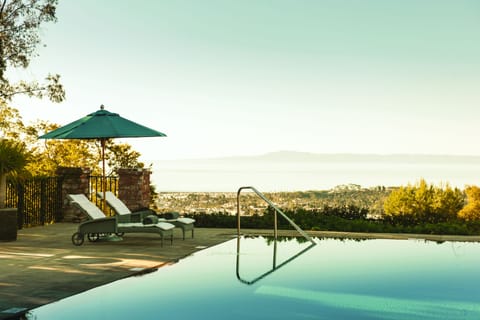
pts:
pixel 75 181
pixel 134 188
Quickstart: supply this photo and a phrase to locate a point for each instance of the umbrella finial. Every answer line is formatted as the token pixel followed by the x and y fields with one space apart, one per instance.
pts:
pixel 102 107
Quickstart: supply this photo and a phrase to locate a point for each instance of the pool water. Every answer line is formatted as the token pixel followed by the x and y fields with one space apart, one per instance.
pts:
pixel 288 279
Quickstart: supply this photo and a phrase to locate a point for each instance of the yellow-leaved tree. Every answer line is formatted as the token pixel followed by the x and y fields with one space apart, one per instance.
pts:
pixel 471 211
pixel 423 203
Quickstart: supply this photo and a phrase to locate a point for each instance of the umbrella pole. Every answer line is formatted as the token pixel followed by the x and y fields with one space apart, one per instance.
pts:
pixel 104 182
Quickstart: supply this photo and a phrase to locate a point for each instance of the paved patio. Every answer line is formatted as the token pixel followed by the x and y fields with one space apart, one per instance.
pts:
pixel 43 265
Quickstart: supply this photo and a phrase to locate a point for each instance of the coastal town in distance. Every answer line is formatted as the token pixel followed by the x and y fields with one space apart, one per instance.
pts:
pixel 226 202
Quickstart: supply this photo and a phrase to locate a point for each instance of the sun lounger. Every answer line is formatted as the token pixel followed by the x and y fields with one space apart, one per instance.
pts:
pixel 186 224
pixel 85 205
pixel 101 225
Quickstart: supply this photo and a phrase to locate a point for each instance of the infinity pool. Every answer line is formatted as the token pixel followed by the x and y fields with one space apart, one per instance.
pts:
pixel 371 279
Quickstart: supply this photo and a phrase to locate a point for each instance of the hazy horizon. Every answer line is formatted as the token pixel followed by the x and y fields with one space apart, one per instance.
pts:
pixel 302 172
pixel 298 155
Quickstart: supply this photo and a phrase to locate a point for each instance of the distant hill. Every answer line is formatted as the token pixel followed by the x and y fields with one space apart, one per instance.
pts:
pixel 287 170
pixel 294 156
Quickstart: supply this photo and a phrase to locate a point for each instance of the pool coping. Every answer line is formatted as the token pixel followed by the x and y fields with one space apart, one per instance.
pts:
pixel 364 235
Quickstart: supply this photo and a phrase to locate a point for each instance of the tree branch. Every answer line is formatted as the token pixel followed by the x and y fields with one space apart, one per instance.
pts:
pixel 3 6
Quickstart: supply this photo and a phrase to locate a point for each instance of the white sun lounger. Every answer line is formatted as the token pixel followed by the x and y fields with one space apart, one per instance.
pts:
pixel 100 224
pixel 125 214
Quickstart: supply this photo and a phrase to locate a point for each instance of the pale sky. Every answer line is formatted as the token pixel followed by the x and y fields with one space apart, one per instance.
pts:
pixel 230 77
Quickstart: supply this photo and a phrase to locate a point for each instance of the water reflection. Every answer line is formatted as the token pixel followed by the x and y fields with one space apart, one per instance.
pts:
pixel 275 264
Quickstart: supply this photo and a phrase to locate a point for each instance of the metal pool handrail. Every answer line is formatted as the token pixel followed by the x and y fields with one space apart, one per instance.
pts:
pixel 271 204
pixel 274 267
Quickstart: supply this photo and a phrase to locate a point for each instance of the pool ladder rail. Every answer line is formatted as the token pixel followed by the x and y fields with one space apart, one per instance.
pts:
pixel 275 266
pixel 277 210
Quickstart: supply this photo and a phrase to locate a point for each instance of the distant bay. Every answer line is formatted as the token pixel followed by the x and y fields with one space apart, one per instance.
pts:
pixel 298 171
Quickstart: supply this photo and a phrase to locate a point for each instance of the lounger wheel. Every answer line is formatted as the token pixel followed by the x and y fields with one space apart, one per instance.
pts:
pixel 92 237
pixel 78 238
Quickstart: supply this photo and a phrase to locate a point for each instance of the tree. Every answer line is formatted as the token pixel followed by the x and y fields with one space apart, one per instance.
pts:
pixel 48 155
pixel 13 158
pixel 20 21
pixel 472 210
pixel 121 155
pixel 11 124
pixel 423 203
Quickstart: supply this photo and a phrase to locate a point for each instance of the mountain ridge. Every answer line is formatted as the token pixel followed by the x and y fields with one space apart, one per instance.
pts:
pixel 298 156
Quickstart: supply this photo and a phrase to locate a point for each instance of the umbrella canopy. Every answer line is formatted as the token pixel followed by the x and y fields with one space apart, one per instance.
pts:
pixel 102 125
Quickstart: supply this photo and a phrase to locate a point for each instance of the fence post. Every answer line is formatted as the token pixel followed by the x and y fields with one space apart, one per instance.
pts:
pixel 58 200
pixel 43 201
pixel 20 205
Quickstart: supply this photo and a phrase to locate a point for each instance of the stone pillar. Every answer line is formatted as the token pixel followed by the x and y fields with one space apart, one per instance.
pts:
pixel 134 188
pixel 75 181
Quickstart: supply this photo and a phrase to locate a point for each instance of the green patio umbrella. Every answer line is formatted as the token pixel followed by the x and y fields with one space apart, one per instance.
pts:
pixel 102 125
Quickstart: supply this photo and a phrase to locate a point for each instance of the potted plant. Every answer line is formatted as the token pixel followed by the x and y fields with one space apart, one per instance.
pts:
pixel 13 158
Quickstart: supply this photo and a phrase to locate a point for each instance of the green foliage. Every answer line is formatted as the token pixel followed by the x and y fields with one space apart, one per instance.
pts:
pixel 121 155
pixel 424 209
pixel 48 155
pixel 318 221
pixel 423 203
pixel 11 124
pixel 20 23
pixel 13 158
pixel 471 212
pixel 214 220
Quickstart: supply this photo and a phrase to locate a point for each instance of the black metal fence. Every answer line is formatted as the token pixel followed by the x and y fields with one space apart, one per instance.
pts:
pixel 95 183
pixel 39 201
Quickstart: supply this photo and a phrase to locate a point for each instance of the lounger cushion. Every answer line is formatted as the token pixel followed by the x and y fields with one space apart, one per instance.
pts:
pixel 186 220
pixel 88 207
pixel 161 225
pixel 130 225
pixel 119 207
pixel 165 225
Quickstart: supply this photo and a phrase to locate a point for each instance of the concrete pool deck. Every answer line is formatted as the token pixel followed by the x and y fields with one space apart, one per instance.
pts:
pixel 43 266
